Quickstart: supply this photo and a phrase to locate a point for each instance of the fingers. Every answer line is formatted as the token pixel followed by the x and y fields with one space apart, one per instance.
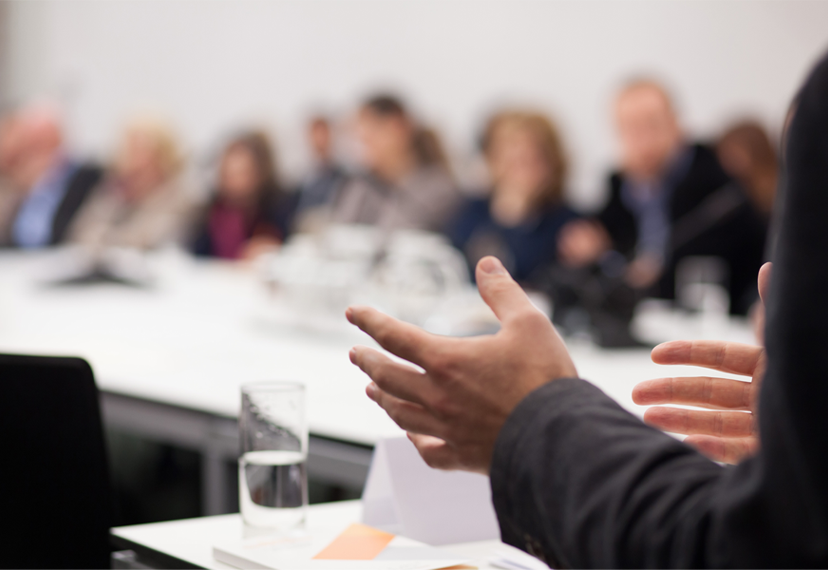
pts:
pixel 701 391
pixel 693 422
pixel 435 452
pixel 724 449
pixel 732 357
pixel 403 339
pixel 764 281
pixel 500 291
pixel 410 417
pixel 396 379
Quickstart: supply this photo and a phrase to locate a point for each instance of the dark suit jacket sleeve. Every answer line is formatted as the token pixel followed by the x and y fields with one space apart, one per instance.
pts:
pixel 582 483
pixel 79 187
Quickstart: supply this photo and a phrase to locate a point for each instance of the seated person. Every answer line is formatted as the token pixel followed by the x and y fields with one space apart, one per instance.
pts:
pixel 142 202
pixel 10 195
pixel 248 213
pixel 747 155
pixel 54 186
pixel 670 200
pixel 579 482
pixel 407 184
pixel 324 181
pixel 520 219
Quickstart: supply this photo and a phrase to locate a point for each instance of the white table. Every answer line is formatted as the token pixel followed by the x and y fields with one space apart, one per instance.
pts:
pixel 169 361
pixel 188 543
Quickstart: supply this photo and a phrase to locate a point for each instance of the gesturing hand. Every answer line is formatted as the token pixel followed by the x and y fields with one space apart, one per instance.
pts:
pixel 455 407
pixel 728 435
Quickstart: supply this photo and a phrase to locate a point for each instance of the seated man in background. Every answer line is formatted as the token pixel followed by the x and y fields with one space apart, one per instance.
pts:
pixel 53 185
pixel 580 482
pixel 324 181
pixel 519 219
pixel 407 183
pixel 142 203
pixel 670 200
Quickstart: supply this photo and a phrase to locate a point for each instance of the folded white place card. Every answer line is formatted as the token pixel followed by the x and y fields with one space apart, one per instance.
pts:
pixel 405 496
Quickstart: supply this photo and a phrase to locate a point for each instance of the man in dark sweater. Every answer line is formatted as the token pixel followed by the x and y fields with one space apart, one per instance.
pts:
pixel 580 482
pixel 669 200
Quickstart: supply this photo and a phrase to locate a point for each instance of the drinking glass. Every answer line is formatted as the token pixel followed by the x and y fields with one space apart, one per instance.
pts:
pixel 273 483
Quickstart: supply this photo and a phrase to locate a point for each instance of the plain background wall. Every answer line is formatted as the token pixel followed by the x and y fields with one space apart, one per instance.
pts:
pixel 214 66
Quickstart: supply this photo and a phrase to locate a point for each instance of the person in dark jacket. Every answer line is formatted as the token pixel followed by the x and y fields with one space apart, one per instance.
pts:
pixel 325 178
pixel 519 220
pixel 249 213
pixel 670 200
pixel 578 481
pixel 51 185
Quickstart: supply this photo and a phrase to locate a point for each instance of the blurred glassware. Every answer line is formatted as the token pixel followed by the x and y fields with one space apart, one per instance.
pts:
pixel 407 273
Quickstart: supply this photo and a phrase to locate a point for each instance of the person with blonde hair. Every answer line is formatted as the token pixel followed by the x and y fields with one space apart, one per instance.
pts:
pixel 519 220
pixel 142 203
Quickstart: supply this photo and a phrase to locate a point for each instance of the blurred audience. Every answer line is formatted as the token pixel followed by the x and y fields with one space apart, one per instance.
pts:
pixel 52 185
pixel 142 202
pixel 670 199
pixel 407 183
pixel 325 180
pixel 520 219
pixel 248 213
pixel 746 153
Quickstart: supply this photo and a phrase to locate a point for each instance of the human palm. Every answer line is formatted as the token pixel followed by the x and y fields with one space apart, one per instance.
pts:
pixel 728 430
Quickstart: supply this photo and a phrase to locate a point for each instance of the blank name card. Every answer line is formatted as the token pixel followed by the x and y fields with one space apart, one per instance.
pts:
pixel 405 496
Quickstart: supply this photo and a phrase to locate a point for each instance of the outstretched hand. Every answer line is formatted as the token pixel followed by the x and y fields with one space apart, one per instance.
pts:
pixel 454 403
pixel 729 432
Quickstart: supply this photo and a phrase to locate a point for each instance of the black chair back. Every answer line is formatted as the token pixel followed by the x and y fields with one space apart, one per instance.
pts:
pixel 55 497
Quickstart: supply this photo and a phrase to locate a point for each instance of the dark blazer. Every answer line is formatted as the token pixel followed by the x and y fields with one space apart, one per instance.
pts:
pixel 709 215
pixel 582 483
pixel 79 186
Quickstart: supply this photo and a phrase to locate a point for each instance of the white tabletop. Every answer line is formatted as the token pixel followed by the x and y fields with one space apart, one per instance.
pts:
pixel 192 540
pixel 208 327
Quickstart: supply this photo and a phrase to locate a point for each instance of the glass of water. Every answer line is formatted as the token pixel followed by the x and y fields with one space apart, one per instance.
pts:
pixel 273 482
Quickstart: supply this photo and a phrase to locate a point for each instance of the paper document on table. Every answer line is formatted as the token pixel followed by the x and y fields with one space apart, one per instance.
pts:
pixel 405 496
pixel 356 547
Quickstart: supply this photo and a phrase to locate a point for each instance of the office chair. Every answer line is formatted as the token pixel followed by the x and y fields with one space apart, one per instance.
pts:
pixel 54 484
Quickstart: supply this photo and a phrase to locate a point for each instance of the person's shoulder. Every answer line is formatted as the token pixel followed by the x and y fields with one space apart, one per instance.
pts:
pixel 88 171
pixel 704 164
pixel 558 214
pixel 433 175
pixel 703 152
pixel 474 207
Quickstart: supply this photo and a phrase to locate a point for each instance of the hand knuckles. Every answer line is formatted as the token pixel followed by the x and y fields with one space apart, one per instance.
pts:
pixel 443 406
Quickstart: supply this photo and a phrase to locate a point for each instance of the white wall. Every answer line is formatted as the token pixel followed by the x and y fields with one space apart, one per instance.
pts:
pixel 213 65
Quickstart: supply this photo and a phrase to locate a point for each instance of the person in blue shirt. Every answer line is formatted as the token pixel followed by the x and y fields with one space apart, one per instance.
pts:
pixel 52 185
pixel 519 219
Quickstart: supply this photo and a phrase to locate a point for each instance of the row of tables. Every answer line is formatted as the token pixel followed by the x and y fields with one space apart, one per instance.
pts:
pixel 169 359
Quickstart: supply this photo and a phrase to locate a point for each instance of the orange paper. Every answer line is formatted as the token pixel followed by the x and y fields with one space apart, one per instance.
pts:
pixel 357 542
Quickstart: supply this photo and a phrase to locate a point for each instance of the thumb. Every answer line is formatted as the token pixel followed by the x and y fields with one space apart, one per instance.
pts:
pixel 503 295
pixel 764 281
